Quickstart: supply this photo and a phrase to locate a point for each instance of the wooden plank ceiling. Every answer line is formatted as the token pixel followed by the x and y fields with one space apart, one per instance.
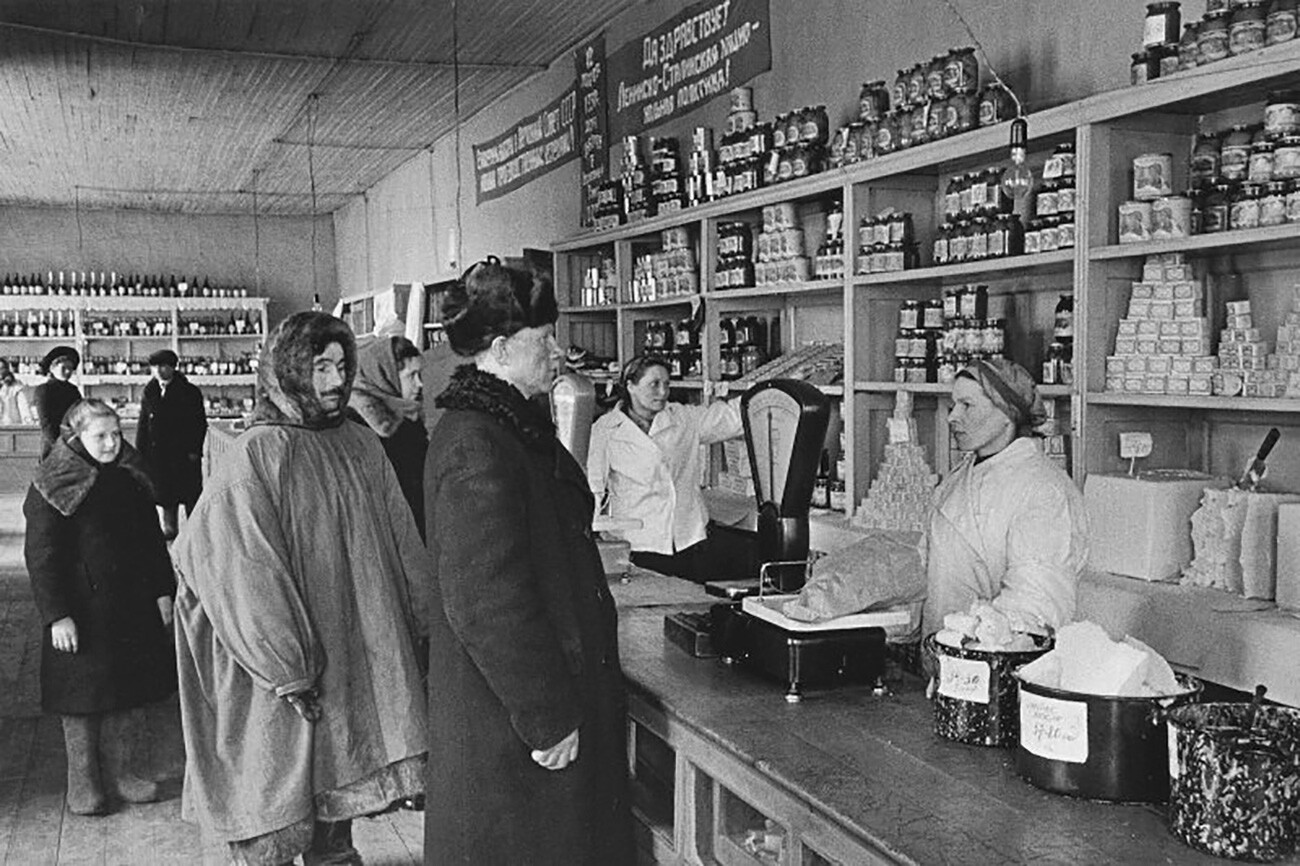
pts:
pixel 192 105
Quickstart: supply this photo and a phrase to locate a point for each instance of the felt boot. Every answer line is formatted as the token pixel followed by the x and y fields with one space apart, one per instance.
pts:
pixel 117 749
pixel 81 740
pixel 331 845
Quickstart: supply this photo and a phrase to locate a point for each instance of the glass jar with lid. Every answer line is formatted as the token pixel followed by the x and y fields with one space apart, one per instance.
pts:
pixel 920 117
pixel 1281 23
pixel 1261 162
pixel 873 101
pixel 979 239
pixel 909 316
pixel 1244 207
pixel 1144 67
pixel 961 71
pixel 794 126
pixel 936 114
pixel 1282 113
pixel 1065 230
pixel 995 105
pixel 1286 157
pixel 1247 27
pixel 1292 201
pixel 1234 155
pixel 1212 37
pixel 1049 238
pixel 886 132
pixel 1272 207
pixel 1205 159
pixel 936 87
pixel 997 234
pixel 1066 195
pixel 1189 54
pixel 1045 201
pixel 939 250
pixel 916 81
pixel 898 93
pixel 961 114
pixel 1215 208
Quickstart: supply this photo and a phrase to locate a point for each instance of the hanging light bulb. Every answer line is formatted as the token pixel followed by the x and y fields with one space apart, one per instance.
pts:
pixel 1018 180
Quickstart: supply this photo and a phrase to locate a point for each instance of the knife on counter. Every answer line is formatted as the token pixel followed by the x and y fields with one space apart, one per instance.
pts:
pixel 1255 468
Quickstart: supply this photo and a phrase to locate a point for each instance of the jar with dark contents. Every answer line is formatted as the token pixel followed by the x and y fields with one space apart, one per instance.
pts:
pixel 1272 207
pixel 1205 159
pixel 1281 23
pixel 1212 37
pixel 916 80
pixel 939 248
pixel 1247 27
pixel 936 113
pixel 816 126
pixel 898 93
pixel 1189 55
pixel 794 126
pixel 962 72
pixel 1214 211
pixel 996 105
pixel 867 139
pixel 962 113
pixel 920 123
pixel 903 128
pixel 935 85
pixel 886 132
pixel 873 101
pixel 1243 212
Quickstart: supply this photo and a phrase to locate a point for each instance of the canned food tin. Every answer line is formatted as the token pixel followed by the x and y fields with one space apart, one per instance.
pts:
pixel 1281 22
pixel 1212 38
pixel 1171 217
pixel 742 99
pixel 1286 158
pixel 1282 114
pixel 1152 176
pixel 1134 222
pixel 1248 29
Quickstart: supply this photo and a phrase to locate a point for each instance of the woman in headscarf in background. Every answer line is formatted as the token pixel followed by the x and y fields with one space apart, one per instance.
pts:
pixel 386 397
pixel 1008 526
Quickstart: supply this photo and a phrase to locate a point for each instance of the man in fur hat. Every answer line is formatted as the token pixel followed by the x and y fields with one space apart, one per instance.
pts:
pixel 173 425
pixel 301 696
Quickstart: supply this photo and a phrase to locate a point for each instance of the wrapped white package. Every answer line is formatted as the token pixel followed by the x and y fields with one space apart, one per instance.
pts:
pixel 1085 660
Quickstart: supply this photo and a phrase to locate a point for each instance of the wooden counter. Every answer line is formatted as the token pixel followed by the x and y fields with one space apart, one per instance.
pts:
pixel 846 776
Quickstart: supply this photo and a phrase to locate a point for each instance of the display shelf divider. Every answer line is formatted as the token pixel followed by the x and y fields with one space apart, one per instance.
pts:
pixel 1288 232
pixel 1054 260
pixel 812 287
pixel 1281 405
pixel 674 301
pixel 599 308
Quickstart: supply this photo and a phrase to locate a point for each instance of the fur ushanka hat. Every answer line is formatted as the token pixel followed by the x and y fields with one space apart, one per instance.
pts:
pixel 285 394
pixel 492 300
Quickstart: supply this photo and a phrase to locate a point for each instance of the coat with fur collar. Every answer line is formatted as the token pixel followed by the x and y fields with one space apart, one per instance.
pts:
pixel 95 553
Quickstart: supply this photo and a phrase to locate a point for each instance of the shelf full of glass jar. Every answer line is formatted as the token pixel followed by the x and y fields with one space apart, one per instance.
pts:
pixel 194 366
pixel 110 284
pixel 1228 29
pixel 678 343
pixel 777 254
pixel 936 339
pixel 1247 177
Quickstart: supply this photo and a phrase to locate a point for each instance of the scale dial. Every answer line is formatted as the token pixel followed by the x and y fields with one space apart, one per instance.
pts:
pixel 774 417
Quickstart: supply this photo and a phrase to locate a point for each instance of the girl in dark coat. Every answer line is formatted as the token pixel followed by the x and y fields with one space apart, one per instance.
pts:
pixel 527 759
pixel 103 585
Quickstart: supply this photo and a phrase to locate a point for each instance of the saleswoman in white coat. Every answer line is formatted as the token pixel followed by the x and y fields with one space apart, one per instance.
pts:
pixel 1008 526
pixel 645 457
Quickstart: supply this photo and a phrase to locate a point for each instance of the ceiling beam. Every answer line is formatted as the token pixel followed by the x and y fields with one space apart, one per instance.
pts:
pixel 268 55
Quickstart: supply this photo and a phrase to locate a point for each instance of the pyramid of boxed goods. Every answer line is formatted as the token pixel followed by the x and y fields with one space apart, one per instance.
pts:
pixel 899 497
pixel 1163 343
pixel 1246 365
pixel 1286 359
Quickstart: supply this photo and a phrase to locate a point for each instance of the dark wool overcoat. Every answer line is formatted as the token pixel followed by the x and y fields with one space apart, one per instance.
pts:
pixel 523 644
pixel 170 437
pixel 95 552
pixel 52 399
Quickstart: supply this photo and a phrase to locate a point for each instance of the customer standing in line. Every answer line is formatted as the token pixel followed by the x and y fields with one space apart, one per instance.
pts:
pixel 173 424
pixel 56 395
pixel 302 699
pixel 103 586
pixel 386 398
pixel 645 457
pixel 527 761
pixel 15 407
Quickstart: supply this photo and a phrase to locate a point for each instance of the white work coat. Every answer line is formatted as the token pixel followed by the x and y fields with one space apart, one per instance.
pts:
pixel 1010 530
pixel 655 477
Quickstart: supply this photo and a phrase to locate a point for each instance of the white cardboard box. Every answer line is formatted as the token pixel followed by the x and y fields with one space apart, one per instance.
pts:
pixel 1141 526
pixel 1288 556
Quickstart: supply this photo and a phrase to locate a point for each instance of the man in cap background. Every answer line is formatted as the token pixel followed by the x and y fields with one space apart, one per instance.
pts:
pixel 56 395
pixel 1008 526
pixel 173 425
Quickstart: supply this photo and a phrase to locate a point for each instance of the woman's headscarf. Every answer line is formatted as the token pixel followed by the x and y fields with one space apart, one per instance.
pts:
pixel 285 394
pixel 377 391
pixel 1011 389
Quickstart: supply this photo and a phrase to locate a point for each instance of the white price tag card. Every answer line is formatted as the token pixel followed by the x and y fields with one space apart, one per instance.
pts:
pixel 1133 445
pixel 964 679
pixel 1173 751
pixel 1054 729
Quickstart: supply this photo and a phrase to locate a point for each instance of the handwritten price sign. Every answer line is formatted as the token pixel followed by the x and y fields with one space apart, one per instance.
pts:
pixel 1054 729
pixel 964 679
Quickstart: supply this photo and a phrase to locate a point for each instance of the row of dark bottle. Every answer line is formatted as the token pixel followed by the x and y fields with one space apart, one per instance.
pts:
pixel 110 284
pixel 61 324
pixel 120 365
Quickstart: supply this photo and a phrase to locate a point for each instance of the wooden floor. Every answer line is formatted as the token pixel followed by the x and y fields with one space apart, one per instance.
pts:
pixel 36 829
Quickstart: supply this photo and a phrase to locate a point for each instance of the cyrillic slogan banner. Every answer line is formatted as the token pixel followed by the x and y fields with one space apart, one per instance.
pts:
pixel 593 143
pixel 528 150
pixel 702 52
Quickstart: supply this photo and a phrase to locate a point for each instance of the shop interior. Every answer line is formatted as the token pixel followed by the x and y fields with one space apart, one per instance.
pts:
pixel 823 211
